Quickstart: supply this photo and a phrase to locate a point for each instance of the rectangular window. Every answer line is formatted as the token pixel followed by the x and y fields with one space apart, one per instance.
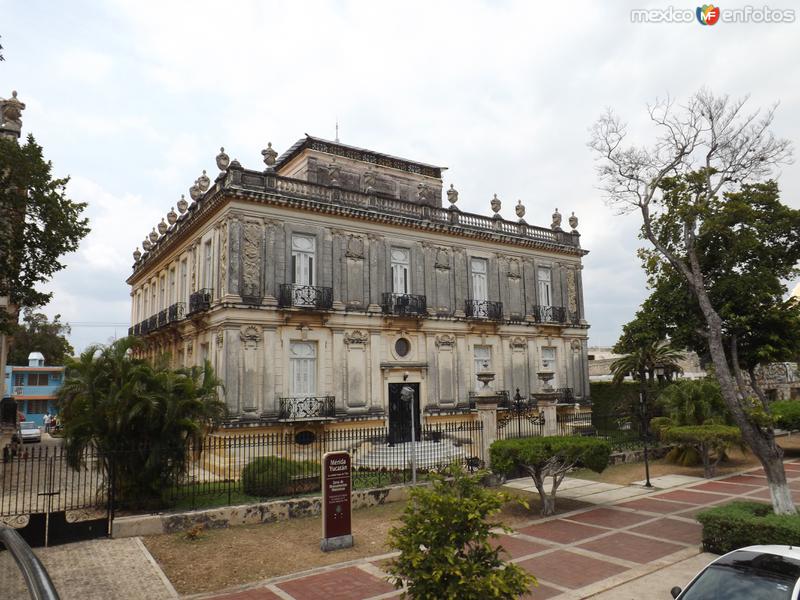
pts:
pixel 479 269
pixel 545 286
pixel 153 305
pixel 145 298
pixel 303 254
pixel 184 276
pixel 207 265
pixel 163 294
pixel 401 260
pixel 303 369
pixel 172 297
pixel 36 407
pixel 483 362
pixel 19 379
pixel 38 379
pixel 138 316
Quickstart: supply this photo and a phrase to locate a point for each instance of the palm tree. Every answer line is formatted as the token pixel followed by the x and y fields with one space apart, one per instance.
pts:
pixel 140 419
pixel 645 360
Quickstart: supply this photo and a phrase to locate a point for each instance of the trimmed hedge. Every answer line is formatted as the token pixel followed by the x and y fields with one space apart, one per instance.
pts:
pixel 269 476
pixel 740 524
pixel 786 414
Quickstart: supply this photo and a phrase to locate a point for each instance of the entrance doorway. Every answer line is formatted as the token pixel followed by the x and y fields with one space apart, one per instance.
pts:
pixel 8 412
pixel 400 412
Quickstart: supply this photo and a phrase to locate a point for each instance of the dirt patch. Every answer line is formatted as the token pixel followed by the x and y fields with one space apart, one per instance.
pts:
pixel 625 474
pixel 208 560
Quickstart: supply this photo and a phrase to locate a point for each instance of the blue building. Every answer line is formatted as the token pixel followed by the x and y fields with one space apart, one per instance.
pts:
pixel 31 390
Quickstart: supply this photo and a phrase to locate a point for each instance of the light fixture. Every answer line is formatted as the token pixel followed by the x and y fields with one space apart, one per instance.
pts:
pixel 405 375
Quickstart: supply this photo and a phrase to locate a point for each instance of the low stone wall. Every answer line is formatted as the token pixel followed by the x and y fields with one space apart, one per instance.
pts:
pixel 631 456
pixel 248 514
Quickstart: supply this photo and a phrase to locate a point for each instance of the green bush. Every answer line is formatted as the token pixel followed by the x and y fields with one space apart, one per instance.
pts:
pixel 553 456
pixel 444 543
pixel 609 398
pixel 786 414
pixel 660 424
pixel 705 439
pixel 270 476
pixel 740 524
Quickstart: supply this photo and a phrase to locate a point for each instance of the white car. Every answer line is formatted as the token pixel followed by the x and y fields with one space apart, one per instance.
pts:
pixel 751 573
pixel 28 431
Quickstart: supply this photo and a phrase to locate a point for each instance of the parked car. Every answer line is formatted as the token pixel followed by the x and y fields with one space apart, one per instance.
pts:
pixel 28 431
pixel 762 572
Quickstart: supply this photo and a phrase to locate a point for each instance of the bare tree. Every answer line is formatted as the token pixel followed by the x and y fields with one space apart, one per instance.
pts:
pixel 714 143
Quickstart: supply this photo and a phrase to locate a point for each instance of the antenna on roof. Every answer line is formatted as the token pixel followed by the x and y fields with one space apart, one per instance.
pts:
pixel 337 130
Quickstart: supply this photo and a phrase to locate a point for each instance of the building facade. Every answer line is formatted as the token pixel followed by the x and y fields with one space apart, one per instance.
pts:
pixel 320 286
pixel 31 390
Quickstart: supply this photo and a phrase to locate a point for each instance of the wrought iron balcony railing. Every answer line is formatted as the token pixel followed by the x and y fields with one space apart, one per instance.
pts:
pixel 309 408
pixel 484 309
pixel 200 300
pixel 550 314
pixel 162 318
pixel 565 395
pixel 404 304
pixel 130 331
pixel 176 312
pixel 310 297
pixel 152 323
pixel 144 327
pixel 137 329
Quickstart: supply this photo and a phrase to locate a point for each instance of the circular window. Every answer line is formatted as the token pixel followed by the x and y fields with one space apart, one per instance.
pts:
pixel 402 347
pixel 304 438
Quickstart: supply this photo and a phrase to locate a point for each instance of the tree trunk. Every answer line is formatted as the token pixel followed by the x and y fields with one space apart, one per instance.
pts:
pixel 761 442
pixel 548 505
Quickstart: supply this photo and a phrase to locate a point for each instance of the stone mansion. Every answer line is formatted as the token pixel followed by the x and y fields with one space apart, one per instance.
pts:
pixel 319 286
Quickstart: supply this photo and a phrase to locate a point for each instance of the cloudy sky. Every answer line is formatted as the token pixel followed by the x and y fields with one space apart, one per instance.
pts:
pixel 134 99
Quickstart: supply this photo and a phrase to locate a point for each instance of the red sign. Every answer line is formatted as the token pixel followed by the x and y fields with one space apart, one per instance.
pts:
pixel 336 491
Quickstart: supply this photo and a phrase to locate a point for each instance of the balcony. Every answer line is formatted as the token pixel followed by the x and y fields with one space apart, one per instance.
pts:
pixel 312 408
pixel 176 312
pixel 550 314
pixel 404 304
pixel 200 300
pixel 484 309
pixel 144 327
pixel 309 297
pixel 130 331
pixel 152 323
pixel 162 318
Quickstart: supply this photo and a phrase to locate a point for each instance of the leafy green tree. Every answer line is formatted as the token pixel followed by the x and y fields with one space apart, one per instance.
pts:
pixel 444 543
pixel 550 456
pixel 715 224
pixel 39 224
pixel 706 439
pixel 142 420
pixel 643 361
pixel 694 402
pixel 37 334
pixel 786 414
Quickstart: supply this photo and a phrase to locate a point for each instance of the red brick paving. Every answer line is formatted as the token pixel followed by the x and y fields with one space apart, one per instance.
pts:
pixel 350 583
pixel 569 569
pixel 733 489
pixel 673 530
pixel 791 466
pixel 693 497
pixel 516 547
pixel 655 506
pixel 632 547
pixel 745 479
pixel 609 517
pixel 563 532
pixel 254 594
pixel 542 592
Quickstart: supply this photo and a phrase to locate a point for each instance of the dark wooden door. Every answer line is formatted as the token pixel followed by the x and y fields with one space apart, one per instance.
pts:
pixel 400 414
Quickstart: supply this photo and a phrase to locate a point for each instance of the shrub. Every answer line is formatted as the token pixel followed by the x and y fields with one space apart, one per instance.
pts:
pixel 659 424
pixel 553 456
pixel 269 476
pixel 444 543
pixel 740 524
pixel 694 402
pixel 706 439
pixel 786 414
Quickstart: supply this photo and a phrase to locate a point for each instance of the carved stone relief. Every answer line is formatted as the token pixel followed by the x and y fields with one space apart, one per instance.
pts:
pixel 513 268
pixel 251 259
pixel 445 341
pixel 572 293
pixel 223 259
pixel 518 343
pixel 250 335
pixel 355 247
pixel 356 337
pixel 442 259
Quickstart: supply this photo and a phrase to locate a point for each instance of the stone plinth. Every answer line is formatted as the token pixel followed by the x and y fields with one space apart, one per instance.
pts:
pixel 546 403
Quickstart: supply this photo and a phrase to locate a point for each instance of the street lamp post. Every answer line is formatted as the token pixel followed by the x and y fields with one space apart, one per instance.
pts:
pixel 407 394
pixel 643 406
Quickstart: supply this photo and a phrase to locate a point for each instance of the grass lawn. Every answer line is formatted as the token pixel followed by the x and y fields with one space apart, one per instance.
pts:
pixel 626 474
pixel 222 558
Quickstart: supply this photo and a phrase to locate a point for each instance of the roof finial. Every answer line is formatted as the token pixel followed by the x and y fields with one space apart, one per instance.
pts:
pixel 337 130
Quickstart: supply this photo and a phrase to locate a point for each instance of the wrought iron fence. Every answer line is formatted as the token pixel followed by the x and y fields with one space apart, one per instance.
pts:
pixel 622 431
pixel 550 314
pixel 305 296
pixel 200 300
pixel 306 408
pixel 404 304
pixel 483 309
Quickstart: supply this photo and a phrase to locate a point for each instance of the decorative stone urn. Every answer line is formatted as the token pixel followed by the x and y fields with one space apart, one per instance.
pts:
pixel 223 160
pixel 195 192
pixel 137 254
pixel 147 244
pixel 172 216
pixel 269 155
pixel 452 196
pixel 162 227
pixel 153 236
pixel 573 221
pixel 520 210
pixel 182 204
pixel 496 205
pixel 203 182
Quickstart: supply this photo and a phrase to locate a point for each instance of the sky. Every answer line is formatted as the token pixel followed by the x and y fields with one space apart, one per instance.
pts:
pixel 133 100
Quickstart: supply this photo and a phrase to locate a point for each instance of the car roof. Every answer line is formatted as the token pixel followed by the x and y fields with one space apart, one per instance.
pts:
pixel 781 561
pixel 785 551
pixel 25 424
